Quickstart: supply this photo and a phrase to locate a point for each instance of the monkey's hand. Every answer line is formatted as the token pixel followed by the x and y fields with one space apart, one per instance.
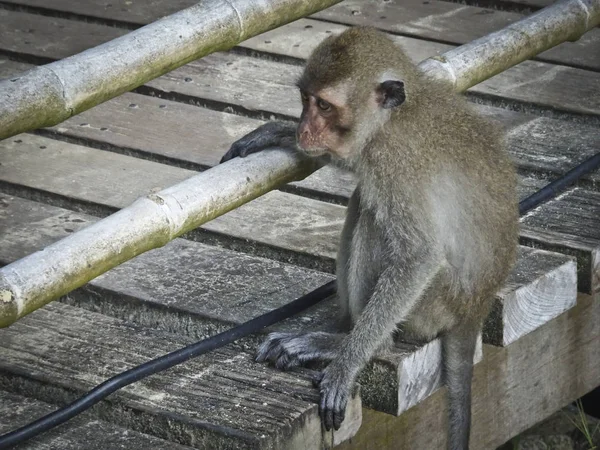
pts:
pixel 271 134
pixel 335 385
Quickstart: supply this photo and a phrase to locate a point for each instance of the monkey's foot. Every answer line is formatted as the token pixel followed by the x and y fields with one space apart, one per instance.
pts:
pixel 289 350
pixel 335 386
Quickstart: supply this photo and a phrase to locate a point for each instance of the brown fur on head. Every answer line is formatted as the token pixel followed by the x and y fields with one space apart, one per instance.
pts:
pixel 357 77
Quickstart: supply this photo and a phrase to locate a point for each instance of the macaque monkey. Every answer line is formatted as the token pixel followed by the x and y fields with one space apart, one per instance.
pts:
pixel 431 230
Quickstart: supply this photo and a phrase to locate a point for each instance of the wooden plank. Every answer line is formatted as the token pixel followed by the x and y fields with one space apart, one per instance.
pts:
pixel 219 400
pixel 533 295
pixel 286 221
pixel 151 128
pixel 84 431
pixel 307 225
pixel 178 284
pixel 298 39
pixel 220 77
pixel 112 181
pixel 569 224
pixel 437 20
pixel 454 23
pixel 514 388
pixel 180 301
pixel 29 34
pixel 540 83
pixel 8 67
pixel 525 82
pixel 195 290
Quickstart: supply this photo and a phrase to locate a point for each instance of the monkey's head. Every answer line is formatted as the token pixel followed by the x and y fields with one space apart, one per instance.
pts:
pixel 350 87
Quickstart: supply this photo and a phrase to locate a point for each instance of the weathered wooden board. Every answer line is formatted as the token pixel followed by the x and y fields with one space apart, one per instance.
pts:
pixel 455 23
pixel 514 388
pixel 560 87
pixel 307 225
pixel 195 290
pixel 43 36
pixel 298 39
pixel 219 400
pixel 531 82
pixel 8 67
pixel 185 287
pixel 437 20
pixel 82 432
pixel 102 182
pixel 193 137
pixel 569 224
pixel 532 296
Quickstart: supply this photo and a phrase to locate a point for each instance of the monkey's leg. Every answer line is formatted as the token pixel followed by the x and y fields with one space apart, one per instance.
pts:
pixel 289 350
pixel 271 134
pixel 458 351
pixel 395 295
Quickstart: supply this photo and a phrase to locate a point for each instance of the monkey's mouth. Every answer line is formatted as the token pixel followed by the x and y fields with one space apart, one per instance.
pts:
pixel 313 152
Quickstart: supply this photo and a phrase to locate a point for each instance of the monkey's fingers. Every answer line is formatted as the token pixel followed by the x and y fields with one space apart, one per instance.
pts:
pixel 234 151
pixel 273 350
pixel 267 350
pixel 334 399
pixel 253 142
pixel 332 408
pixel 326 410
pixel 339 409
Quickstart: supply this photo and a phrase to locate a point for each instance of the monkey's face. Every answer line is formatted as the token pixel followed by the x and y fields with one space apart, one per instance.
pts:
pixel 341 119
pixel 349 86
pixel 325 123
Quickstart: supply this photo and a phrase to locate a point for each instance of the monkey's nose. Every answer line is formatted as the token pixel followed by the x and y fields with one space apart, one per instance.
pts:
pixel 303 138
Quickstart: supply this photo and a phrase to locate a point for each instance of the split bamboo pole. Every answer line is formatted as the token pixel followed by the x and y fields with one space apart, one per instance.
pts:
pixel 49 94
pixel 154 220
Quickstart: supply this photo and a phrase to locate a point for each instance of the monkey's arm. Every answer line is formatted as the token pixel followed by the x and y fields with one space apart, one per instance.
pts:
pixel 395 295
pixel 271 134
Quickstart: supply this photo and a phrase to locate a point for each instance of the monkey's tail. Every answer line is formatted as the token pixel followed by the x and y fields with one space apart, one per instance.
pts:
pixel 458 352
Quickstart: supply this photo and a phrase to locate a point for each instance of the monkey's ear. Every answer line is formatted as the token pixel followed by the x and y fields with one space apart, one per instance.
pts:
pixel 391 94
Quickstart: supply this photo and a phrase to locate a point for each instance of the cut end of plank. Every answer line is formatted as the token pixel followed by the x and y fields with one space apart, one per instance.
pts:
pixel 541 286
pixel 401 378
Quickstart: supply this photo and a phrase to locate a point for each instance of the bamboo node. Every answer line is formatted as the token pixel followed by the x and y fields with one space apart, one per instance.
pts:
pixel 6 296
pixel 156 199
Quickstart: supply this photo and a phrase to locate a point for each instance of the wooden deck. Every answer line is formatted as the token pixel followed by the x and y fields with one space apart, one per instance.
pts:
pixel 541 343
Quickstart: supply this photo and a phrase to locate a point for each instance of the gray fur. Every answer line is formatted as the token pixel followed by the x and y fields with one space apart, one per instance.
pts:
pixel 431 231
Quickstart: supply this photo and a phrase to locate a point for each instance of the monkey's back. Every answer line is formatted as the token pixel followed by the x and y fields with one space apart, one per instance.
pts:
pixel 469 184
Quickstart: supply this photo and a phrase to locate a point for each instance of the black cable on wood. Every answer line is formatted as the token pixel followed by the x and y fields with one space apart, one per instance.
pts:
pixel 552 189
pixel 165 362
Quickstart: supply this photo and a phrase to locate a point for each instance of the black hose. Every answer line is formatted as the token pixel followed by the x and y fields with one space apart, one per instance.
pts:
pixel 165 362
pixel 558 185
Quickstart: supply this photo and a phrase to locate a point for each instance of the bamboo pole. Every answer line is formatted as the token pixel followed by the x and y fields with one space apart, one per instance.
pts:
pixel 154 220
pixel 150 222
pixel 472 63
pixel 47 95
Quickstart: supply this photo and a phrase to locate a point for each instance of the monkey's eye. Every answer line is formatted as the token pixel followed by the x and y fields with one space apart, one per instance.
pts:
pixel 323 105
pixel 304 97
